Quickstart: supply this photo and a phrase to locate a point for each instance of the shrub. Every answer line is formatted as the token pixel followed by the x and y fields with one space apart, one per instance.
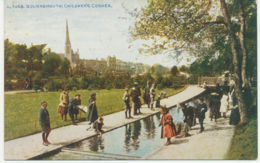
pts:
pixel 108 87
pixel 83 84
pixel 37 85
pixel 54 85
pixel 74 89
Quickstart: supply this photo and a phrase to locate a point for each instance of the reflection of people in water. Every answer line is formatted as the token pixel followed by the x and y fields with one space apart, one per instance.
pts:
pixel 96 143
pixel 133 131
pixel 136 131
pixel 127 138
pixel 158 118
pixel 149 127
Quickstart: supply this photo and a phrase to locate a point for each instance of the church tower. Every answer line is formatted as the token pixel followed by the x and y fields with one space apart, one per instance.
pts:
pixel 68 50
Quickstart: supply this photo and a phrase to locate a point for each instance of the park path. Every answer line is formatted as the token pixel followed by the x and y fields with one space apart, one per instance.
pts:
pixel 30 147
pixel 18 91
pixel 213 143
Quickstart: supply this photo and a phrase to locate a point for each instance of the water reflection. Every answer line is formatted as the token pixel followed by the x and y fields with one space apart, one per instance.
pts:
pixel 127 138
pixel 149 127
pixel 136 131
pixel 135 139
pixel 96 143
pixel 157 116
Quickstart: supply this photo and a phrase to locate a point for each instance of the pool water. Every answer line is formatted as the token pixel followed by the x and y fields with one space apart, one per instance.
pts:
pixel 133 141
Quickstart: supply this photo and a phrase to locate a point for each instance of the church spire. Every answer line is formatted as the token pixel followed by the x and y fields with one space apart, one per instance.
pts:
pixel 67 34
pixel 68 50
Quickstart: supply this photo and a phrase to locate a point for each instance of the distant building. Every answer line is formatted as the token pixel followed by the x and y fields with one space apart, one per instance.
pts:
pixel 97 65
pixel 100 66
pixel 118 65
pixel 111 63
pixel 69 54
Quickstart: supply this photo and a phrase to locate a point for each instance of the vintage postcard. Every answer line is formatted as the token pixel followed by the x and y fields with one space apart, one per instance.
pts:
pixel 130 80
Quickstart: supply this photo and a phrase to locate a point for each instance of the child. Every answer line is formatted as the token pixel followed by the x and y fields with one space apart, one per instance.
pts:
pixel 168 128
pixel 98 124
pixel 126 99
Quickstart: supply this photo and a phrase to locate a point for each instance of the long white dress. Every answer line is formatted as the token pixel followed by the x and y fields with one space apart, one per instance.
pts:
pixel 224 104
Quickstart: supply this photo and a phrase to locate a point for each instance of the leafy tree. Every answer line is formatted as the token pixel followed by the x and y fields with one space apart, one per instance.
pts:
pixel 66 68
pixel 201 28
pixel 52 65
pixel 157 70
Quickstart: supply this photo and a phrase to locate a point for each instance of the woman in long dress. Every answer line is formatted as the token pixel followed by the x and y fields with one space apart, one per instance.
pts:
pixel 168 129
pixel 93 113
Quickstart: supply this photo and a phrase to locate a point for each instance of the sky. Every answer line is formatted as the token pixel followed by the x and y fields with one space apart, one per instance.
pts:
pixel 96 32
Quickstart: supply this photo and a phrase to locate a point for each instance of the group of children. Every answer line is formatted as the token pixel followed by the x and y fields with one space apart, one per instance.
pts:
pixel 71 106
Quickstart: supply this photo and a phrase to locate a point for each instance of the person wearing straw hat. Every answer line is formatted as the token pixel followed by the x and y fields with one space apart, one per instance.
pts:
pixel 168 128
pixel 93 113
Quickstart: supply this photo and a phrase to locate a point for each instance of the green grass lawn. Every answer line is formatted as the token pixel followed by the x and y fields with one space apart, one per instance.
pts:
pixel 244 142
pixel 21 110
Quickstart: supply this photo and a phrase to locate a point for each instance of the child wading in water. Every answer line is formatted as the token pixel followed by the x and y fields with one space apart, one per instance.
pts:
pixel 168 129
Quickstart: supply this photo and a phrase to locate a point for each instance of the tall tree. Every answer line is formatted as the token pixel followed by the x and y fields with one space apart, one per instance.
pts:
pixel 200 27
pixel 237 72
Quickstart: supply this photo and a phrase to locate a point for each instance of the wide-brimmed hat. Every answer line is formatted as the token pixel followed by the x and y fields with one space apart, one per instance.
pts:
pixel 135 83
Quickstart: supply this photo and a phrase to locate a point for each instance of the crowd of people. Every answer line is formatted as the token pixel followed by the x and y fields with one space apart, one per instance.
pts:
pixel 183 119
pixel 185 116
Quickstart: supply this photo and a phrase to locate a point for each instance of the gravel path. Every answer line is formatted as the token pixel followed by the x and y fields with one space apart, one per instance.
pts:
pixel 213 143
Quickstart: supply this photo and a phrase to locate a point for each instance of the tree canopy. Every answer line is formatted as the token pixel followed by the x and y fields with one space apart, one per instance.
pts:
pixel 215 31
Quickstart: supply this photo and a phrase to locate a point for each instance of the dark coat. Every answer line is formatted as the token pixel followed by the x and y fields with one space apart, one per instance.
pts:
pixel 146 95
pixel 44 118
pixel 73 106
pixel 189 115
pixel 93 113
pixel 135 93
pixel 201 111
pixel 214 105
pixel 234 116
pixel 158 103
